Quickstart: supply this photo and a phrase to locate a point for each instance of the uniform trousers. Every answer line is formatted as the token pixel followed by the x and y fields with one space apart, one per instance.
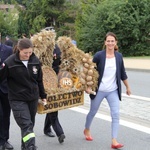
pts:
pixel 52 119
pixel 24 113
pixel 4 117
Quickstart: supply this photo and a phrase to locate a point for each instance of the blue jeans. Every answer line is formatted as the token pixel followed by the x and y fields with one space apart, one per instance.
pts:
pixel 113 101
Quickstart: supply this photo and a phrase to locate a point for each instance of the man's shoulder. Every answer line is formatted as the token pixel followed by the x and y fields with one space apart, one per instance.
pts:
pixel 9 43
pixel 6 47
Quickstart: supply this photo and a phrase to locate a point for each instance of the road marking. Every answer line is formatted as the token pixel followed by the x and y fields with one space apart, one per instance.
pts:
pixel 136 97
pixel 108 118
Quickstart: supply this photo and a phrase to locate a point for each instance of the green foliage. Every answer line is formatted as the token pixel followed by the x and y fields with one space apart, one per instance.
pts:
pixel 44 13
pixel 37 23
pixel 38 14
pixel 22 25
pixel 127 19
pixel 135 34
pixel 9 23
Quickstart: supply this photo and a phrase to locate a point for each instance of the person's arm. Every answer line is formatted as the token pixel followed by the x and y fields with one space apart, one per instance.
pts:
pixel 124 77
pixel 128 91
pixel 42 93
pixel 3 72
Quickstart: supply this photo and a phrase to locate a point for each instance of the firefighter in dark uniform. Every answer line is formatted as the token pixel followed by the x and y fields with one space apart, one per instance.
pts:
pixel 52 118
pixel 5 52
pixel 25 86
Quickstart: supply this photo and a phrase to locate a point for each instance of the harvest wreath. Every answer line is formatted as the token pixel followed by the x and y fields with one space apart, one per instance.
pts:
pixel 77 72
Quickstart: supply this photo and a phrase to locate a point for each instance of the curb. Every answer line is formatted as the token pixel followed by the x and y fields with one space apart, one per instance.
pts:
pixel 137 70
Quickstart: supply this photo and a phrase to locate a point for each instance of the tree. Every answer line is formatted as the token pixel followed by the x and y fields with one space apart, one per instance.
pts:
pixel 23 27
pixel 42 13
pixel 128 19
pixel 9 22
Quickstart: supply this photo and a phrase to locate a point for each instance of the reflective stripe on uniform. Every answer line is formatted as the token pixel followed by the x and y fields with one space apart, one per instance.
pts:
pixel 28 136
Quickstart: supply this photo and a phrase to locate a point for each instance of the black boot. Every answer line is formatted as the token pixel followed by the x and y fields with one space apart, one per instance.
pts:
pixel 61 138
pixel 2 147
pixel 23 148
pixel 8 145
pixel 32 148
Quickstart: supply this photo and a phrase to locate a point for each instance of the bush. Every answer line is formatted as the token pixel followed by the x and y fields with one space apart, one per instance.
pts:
pixel 129 20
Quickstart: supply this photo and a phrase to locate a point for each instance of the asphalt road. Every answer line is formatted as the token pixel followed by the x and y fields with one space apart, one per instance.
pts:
pixel 134 130
pixel 73 125
pixel 139 83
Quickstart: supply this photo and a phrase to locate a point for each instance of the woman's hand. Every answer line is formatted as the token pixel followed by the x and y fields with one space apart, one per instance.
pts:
pixel 128 91
pixel 44 101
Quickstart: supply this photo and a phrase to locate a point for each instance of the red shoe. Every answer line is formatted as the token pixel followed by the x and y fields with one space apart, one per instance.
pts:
pixel 117 146
pixel 88 138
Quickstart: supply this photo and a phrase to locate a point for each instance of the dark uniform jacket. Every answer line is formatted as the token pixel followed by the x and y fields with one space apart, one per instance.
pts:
pixel 56 59
pixel 24 83
pixel 5 52
pixel 9 43
pixel 100 58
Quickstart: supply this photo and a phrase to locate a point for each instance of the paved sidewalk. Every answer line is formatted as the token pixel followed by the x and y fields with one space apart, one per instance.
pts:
pixel 137 64
pixel 135 107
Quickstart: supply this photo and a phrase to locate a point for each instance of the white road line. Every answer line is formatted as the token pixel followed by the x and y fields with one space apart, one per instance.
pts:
pixel 122 122
pixel 136 97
